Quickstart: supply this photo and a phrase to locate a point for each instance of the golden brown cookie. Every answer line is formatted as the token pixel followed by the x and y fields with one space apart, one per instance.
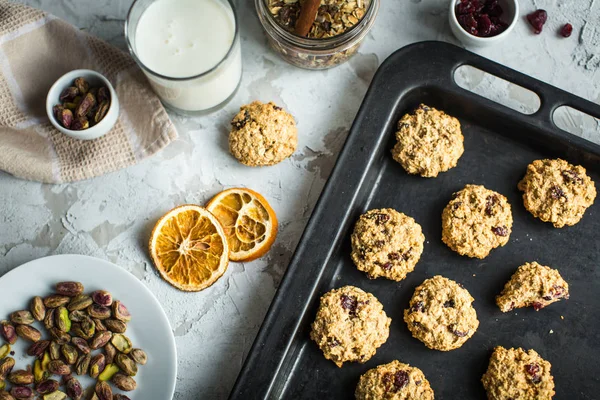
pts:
pixel 429 141
pixel 262 134
pixel 517 374
pixel 350 325
pixel 532 285
pixel 476 221
pixel 441 314
pixel 556 191
pixel 386 243
pixel 393 381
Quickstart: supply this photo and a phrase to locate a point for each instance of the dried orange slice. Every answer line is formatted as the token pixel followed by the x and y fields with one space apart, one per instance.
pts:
pixel 249 222
pixel 189 248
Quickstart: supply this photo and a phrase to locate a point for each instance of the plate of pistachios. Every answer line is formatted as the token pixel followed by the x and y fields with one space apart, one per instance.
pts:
pixel 77 327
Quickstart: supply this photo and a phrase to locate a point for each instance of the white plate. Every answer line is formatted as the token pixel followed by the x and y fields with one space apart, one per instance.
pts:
pixel 149 328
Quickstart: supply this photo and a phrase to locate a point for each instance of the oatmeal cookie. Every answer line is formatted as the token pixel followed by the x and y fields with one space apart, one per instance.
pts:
pixel 556 191
pixel 393 381
pixel 476 221
pixel 441 314
pixel 350 325
pixel 532 285
pixel 429 141
pixel 518 374
pixel 262 134
pixel 386 243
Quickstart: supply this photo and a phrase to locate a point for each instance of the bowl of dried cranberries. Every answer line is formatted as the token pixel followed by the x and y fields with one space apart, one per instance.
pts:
pixel 481 23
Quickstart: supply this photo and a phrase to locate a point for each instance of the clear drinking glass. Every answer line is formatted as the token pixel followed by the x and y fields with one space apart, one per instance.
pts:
pixel 194 95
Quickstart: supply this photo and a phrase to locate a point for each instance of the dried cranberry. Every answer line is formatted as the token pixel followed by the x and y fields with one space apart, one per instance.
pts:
pixel 467 6
pixel 500 230
pixel 537 19
pixel 490 202
pixel 418 306
pixel 449 303
pixel 406 255
pixel 332 342
pixel 242 122
pixel 484 25
pixel 493 9
pixel 566 30
pixel 571 176
pixel 381 218
pixel 349 303
pixel 534 370
pixel 456 205
pixel 560 291
pixel 394 256
pixel 458 333
pixel 469 23
pixel 400 380
pixel 379 243
pixel 277 108
pixel 556 192
pixel 387 266
pixel 537 306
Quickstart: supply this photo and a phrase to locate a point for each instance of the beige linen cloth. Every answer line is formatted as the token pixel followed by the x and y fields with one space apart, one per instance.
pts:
pixel 36 49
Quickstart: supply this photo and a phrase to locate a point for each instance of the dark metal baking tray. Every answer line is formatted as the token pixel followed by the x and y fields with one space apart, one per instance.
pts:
pixel 499 143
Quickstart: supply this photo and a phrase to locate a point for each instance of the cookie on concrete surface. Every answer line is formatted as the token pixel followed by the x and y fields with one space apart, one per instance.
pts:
pixel 386 243
pixel 350 325
pixel 556 191
pixel 518 374
pixel 476 221
pixel 532 285
pixel 429 141
pixel 393 381
pixel 262 134
pixel 441 314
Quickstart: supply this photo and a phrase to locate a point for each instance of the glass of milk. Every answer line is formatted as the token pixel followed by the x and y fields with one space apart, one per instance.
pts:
pixel 189 50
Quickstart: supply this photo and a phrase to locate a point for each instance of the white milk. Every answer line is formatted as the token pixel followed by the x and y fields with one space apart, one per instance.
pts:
pixel 187 38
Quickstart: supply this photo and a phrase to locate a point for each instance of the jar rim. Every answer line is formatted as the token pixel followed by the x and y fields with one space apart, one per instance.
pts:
pixel 358 31
pixel 147 69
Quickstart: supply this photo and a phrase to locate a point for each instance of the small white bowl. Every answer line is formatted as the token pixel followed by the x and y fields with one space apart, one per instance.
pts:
pixel 94 79
pixel 511 15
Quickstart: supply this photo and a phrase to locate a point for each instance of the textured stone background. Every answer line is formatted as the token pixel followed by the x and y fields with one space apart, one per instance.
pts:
pixel 111 217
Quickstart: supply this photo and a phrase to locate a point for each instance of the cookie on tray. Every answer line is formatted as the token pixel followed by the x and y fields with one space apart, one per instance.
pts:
pixel 556 191
pixel 441 314
pixel 386 243
pixel 518 374
pixel 429 141
pixel 476 221
pixel 533 285
pixel 393 381
pixel 262 134
pixel 350 325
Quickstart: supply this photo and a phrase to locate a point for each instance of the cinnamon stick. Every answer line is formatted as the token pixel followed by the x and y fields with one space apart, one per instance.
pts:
pixel 308 13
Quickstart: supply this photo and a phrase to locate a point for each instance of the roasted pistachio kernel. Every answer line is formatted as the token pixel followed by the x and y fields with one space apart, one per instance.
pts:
pixel 103 94
pixel 54 350
pixel 124 382
pixel 121 312
pixel 45 361
pixel 47 386
pixel 98 311
pixel 97 365
pixel 102 298
pixel 68 93
pixel 58 367
pixel 87 103
pixel 38 348
pixel 139 356
pixel 126 364
pixel 100 339
pixel 82 85
pixel 5 395
pixel 81 344
pixel 69 353
pixel 77 315
pixel 120 397
pixel 21 392
pixel 28 333
pixel 109 371
pixel 70 289
pixel 56 300
pixel 22 317
pixel 122 343
pixel 74 389
pixel 115 326
pixel 99 325
pixel 110 353
pixel 8 332
pixel 79 303
pixel 37 308
pixel 103 391
pixel 83 364
pixel 57 395
pixel 4 350
pixel 20 377
pixel 77 331
pixel 59 336
pixel 6 366
pixel 88 327
pixel 62 319
pixel 39 375
pixel 49 319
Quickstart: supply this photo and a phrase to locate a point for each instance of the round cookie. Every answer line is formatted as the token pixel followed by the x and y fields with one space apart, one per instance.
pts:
pixel 393 381
pixel 517 374
pixel 386 243
pixel 556 191
pixel 429 141
pixel 350 325
pixel 532 285
pixel 262 134
pixel 476 221
pixel 441 314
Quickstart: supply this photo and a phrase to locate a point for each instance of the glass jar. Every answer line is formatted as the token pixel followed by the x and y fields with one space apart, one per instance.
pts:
pixel 313 53
pixel 199 94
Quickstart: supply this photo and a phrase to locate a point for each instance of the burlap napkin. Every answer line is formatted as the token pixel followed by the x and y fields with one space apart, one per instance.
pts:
pixel 36 49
